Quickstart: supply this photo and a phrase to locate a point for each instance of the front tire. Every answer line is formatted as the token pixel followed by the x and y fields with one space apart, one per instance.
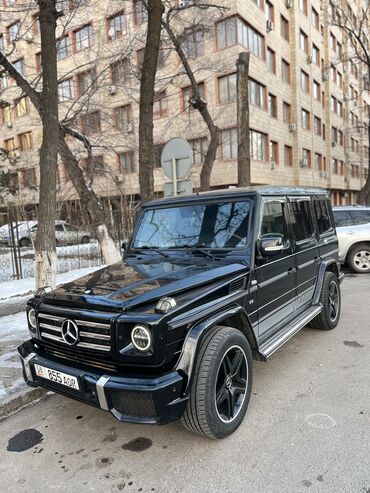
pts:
pixel 359 259
pixel 330 299
pixel 222 384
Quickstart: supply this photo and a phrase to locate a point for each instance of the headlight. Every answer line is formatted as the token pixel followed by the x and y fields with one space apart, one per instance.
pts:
pixel 141 338
pixel 32 319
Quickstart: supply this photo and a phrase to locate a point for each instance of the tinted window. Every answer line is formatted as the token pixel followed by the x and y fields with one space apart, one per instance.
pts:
pixel 59 227
pixel 341 218
pixel 322 213
pixel 301 220
pixel 273 219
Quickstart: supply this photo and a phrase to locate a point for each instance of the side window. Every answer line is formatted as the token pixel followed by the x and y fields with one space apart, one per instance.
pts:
pixel 59 227
pixel 323 217
pixel 273 221
pixel 301 220
pixel 361 216
pixel 341 219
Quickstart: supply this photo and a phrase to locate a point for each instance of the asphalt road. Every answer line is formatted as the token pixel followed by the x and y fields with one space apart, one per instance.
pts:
pixel 307 429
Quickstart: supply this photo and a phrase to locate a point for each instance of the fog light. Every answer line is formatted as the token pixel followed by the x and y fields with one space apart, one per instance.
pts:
pixel 141 338
pixel 32 319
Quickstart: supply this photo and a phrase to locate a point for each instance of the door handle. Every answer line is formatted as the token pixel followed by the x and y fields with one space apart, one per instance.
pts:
pixel 291 270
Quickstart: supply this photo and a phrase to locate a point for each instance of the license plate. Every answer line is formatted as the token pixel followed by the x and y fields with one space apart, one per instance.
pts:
pixel 57 376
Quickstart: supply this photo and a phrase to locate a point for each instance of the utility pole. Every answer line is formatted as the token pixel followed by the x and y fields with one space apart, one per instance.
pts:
pixel 244 158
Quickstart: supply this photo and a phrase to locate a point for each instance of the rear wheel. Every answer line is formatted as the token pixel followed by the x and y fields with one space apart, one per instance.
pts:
pixel 24 242
pixel 331 302
pixel 359 259
pixel 85 239
pixel 222 384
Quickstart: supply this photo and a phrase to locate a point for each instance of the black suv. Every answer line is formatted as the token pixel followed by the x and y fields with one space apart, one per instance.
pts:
pixel 208 283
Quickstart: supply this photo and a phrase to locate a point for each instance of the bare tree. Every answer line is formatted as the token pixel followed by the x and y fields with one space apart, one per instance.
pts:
pixel 244 158
pixel 355 27
pixel 147 87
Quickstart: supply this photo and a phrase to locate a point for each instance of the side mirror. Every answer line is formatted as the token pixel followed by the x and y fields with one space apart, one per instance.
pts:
pixel 271 244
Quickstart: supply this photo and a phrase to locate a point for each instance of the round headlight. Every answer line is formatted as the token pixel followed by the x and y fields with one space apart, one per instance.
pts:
pixel 32 318
pixel 141 338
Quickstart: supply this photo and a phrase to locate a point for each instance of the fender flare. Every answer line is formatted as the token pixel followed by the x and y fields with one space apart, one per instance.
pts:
pixel 331 265
pixel 191 345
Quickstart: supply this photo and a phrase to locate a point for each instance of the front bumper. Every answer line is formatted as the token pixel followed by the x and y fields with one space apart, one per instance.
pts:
pixel 134 400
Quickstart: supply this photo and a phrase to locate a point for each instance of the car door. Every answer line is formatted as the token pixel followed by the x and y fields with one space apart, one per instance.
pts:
pixel 325 230
pixel 275 275
pixel 306 248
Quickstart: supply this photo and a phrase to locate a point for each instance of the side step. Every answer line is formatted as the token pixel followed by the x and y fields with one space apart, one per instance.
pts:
pixel 282 336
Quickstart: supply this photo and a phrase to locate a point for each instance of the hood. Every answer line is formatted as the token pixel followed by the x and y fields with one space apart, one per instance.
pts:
pixel 127 284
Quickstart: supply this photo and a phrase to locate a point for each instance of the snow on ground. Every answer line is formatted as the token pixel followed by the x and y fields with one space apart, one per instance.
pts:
pixel 13 328
pixel 27 286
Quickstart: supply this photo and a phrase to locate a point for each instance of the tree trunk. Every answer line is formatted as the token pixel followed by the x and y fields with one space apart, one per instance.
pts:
pixel 147 85
pixel 364 194
pixel 91 203
pixel 201 105
pixel 45 254
pixel 244 159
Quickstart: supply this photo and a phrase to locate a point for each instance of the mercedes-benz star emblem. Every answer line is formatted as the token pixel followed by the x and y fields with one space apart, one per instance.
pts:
pixel 70 332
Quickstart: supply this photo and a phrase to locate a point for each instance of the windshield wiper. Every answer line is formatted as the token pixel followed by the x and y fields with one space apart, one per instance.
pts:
pixel 153 249
pixel 196 249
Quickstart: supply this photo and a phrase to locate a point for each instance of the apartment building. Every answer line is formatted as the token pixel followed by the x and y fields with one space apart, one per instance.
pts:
pixel 308 111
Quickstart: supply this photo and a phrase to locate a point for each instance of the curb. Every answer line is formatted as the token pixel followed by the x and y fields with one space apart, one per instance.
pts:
pixel 20 400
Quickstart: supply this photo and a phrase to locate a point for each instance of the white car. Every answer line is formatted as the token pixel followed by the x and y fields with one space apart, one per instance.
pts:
pixel 353 230
pixel 66 234
pixel 21 231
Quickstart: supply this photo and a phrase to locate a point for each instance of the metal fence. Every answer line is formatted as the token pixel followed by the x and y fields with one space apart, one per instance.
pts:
pixel 19 262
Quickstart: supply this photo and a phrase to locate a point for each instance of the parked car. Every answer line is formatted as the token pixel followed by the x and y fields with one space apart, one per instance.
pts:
pixel 208 283
pixel 66 234
pixel 353 229
pixel 21 231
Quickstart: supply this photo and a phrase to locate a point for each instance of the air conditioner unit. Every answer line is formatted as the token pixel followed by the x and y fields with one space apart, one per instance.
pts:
pixel 112 89
pixel 9 124
pixel 333 143
pixel 273 164
pixel 309 59
pixel 288 4
pixel 129 128
pixel 304 163
pixel 269 26
pixel 292 127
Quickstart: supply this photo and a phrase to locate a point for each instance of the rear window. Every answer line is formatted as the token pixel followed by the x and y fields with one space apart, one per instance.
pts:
pixel 301 220
pixel 323 217
pixel 352 217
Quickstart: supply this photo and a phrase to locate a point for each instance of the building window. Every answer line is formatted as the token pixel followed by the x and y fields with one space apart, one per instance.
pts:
pixel 258 145
pixel 90 123
pixel 315 19
pixel 199 148
pixel 13 32
pixel 340 108
pixel 287 113
pixel 235 30
pixel 317 126
pixel 140 12
pixel 116 26
pixel 6 115
pixel 316 91
pixel 305 119
pixel 272 106
pixel 257 94
pixel 21 107
pixel 339 80
pixel 306 158
pixel 86 81
pixel 318 162
pixel 303 41
pixel 315 55
pixel 10 147
pixel 28 178
pixel 84 37
pixel 187 94
pixel 284 28
pixel 274 152
pixel 123 116
pixel 229 143
pixel 269 11
pixel 288 156
pixel 2 42
pixel 127 162
pixel 285 71
pixel 305 82
pixel 19 66
pixel 340 137
pixel 25 141
pixel 193 43
pixel 303 6
pixel 160 105
pixel 120 71
pixel 65 90
pixel 227 88
pixel 271 61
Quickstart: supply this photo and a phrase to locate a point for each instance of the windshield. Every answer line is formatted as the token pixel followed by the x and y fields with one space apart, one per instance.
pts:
pixel 222 225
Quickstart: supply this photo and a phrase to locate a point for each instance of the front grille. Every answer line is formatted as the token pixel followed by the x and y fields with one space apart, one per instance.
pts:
pixel 129 403
pixel 92 335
